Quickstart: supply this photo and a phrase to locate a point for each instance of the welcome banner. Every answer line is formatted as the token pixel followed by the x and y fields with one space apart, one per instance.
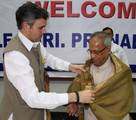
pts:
pixel 72 22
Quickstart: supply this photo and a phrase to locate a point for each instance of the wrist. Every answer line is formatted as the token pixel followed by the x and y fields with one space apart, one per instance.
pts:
pixel 72 97
pixel 77 97
pixel 70 67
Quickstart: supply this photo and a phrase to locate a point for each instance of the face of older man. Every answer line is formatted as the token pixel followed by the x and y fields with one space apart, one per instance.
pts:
pixel 98 51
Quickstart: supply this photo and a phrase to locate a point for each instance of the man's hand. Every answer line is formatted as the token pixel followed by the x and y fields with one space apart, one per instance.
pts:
pixel 72 109
pixel 76 68
pixel 86 96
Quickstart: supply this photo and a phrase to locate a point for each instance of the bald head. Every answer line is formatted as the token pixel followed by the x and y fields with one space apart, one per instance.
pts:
pixel 100 38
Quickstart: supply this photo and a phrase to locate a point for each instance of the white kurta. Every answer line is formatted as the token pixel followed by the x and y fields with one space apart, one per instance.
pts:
pixel 21 75
pixel 119 52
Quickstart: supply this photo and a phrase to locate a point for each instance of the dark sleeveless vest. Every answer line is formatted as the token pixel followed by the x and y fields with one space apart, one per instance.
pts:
pixel 12 101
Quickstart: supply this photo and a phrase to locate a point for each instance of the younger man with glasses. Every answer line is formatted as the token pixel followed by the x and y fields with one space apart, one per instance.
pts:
pixel 111 80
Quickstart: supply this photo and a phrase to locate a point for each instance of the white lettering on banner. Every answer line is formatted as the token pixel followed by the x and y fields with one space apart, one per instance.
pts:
pixel 57 9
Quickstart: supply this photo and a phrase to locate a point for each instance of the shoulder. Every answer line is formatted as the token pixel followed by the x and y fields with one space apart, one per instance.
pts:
pixel 15 56
pixel 116 48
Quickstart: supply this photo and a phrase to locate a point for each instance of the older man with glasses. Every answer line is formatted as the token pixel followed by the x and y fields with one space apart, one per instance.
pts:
pixel 111 80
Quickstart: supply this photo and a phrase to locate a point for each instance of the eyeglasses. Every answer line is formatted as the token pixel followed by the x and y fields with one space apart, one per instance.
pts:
pixel 97 52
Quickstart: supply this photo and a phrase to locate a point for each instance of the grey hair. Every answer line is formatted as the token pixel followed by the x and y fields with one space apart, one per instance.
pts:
pixel 107 40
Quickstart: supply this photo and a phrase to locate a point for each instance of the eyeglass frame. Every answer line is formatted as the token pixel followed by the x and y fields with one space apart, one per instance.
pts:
pixel 97 52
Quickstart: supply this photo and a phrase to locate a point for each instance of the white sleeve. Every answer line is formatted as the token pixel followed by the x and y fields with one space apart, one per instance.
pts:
pixel 20 74
pixel 123 56
pixel 54 62
pixel 119 52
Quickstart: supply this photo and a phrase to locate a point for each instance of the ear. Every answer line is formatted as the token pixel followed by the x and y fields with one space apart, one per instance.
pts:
pixel 109 49
pixel 25 26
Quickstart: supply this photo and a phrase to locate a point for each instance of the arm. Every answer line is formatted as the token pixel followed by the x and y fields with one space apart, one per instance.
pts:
pixel 119 52
pixel 59 64
pixel 124 57
pixel 21 75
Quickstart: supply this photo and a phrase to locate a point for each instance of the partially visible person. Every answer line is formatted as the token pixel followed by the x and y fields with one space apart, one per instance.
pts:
pixel 24 60
pixel 116 49
pixel 111 80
